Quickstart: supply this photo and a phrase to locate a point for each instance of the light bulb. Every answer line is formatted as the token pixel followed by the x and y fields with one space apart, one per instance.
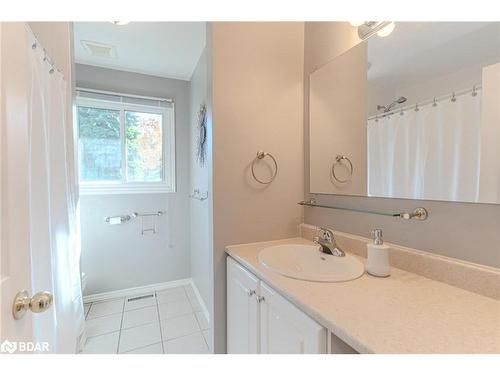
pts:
pixel 386 30
pixel 356 23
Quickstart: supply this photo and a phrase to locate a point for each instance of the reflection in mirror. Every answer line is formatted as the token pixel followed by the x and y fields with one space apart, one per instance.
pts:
pixel 417 113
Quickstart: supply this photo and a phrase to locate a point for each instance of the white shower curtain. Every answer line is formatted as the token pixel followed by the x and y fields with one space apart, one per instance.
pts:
pixel 54 229
pixel 432 153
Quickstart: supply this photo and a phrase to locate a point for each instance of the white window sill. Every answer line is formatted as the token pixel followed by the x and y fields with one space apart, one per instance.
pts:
pixel 124 189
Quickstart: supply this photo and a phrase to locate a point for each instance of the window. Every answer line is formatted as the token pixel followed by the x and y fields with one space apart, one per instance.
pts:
pixel 125 147
pixel 144 146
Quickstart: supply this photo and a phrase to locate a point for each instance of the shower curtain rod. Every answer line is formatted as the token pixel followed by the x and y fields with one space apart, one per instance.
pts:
pixel 425 102
pixel 112 93
pixel 46 56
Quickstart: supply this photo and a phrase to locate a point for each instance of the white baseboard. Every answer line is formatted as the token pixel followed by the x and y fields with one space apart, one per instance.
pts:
pixel 141 290
pixel 204 308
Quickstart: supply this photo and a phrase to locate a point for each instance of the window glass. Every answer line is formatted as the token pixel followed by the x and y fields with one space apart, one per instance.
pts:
pixel 143 136
pixel 100 145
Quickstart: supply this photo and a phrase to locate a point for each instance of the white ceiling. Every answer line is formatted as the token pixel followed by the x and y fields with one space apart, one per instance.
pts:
pixel 417 51
pixel 164 49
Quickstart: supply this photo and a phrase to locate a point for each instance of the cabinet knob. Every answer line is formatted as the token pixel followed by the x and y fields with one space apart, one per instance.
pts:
pixel 251 293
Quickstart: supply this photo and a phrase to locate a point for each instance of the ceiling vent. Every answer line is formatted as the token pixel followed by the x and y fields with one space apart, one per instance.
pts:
pixel 101 50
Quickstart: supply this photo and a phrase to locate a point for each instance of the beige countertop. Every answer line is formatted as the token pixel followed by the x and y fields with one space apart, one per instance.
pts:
pixel 404 313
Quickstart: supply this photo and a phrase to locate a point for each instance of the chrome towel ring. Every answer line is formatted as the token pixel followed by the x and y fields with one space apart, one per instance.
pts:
pixel 261 155
pixel 338 160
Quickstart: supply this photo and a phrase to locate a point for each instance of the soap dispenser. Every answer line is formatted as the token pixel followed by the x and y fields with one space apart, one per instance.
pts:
pixel 377 263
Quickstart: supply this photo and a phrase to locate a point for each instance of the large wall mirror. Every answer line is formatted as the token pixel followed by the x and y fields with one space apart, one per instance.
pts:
pixel 415 114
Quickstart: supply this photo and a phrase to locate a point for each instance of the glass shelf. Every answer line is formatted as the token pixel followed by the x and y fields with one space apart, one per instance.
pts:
pixel 419 213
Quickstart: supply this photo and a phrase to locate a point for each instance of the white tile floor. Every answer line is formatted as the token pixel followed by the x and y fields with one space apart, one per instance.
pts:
pixel 168 321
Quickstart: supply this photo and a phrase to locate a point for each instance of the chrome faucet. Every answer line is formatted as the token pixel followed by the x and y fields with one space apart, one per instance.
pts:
pixel 327 243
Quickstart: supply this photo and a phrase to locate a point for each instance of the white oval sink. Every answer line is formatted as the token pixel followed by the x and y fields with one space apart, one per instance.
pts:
pixel 307 262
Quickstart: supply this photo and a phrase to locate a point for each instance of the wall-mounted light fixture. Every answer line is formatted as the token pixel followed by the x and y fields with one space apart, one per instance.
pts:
pixel 369 28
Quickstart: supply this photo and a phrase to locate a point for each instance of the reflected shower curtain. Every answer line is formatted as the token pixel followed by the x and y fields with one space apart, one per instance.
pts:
pixel 432 153
pixel 54 230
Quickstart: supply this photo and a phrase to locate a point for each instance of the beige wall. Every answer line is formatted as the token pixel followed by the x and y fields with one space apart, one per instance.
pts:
pixel 257 73
pixel 458 230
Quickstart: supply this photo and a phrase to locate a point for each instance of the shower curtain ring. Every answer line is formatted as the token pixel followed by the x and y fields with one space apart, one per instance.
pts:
pixel 434 104
pixel 453 97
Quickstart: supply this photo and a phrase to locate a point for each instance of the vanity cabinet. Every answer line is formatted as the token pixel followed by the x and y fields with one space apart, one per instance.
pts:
pixel 260 320
pixel 242 310
pixel 286 329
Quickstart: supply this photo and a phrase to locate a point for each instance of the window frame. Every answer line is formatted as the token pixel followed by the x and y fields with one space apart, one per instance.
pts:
pixel 167 184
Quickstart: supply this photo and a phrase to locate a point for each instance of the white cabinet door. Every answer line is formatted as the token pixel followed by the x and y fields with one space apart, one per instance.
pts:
pixel 286 329
pixel 242 310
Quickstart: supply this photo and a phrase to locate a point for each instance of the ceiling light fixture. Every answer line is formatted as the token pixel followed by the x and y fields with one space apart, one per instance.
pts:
pixel 386 30
pixel 120 23
pixel 370 28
